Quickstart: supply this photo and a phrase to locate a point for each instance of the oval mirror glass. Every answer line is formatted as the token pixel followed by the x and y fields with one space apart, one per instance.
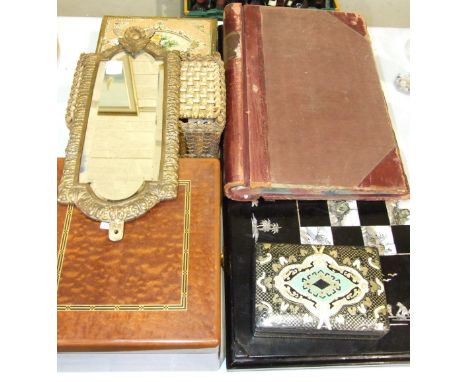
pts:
pixel 122 147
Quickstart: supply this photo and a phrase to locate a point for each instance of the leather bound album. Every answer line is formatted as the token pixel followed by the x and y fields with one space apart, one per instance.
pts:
pixel 307 118
pixel 156 290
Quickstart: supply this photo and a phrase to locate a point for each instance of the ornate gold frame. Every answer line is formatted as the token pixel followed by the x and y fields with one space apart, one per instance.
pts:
pixel 70 190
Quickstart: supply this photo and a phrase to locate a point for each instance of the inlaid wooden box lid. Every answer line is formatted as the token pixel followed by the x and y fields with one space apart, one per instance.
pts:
pixel 157 288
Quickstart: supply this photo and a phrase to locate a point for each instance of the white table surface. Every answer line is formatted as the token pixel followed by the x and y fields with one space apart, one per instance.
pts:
pixel 78 35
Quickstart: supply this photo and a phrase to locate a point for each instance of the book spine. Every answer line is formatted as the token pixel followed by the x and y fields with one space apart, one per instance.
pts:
pixel 255 105
pixel 235 135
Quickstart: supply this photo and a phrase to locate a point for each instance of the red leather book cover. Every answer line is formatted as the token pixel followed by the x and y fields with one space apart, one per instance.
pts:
pixel 157 288
pixel 307 118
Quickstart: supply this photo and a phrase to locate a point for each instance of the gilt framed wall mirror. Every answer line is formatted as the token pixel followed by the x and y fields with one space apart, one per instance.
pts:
pixel 122 154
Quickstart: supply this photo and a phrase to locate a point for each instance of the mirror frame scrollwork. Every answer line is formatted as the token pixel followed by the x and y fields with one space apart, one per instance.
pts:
pixel 134 41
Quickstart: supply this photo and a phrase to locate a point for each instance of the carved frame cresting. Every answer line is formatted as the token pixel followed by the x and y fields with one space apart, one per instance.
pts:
pixel 70 190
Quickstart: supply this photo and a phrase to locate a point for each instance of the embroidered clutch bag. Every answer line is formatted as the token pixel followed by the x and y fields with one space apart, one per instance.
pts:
pixel 319 291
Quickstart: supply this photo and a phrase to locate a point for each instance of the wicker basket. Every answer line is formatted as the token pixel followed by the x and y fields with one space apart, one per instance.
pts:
pixel 202 105
pixel 200 139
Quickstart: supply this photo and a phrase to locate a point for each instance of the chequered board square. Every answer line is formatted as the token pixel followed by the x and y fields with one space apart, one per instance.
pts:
pixel 347 236
pixel 316 235
pixel 401 238
pixel 314 213
pixel 398 212
pixel 280 227
pixel 343 213
pixel 380 237
pixel 373 213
